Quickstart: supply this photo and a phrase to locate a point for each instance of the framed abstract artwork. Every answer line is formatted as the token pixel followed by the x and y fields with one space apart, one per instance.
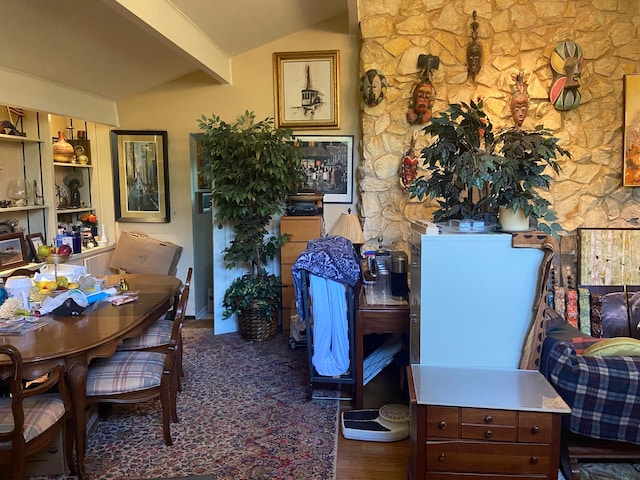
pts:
pixel 306 89
pixel 140 175
pixel 631 132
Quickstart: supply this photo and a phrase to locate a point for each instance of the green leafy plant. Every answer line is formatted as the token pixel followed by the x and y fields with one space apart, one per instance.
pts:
pixel 251 168
pixel 472 171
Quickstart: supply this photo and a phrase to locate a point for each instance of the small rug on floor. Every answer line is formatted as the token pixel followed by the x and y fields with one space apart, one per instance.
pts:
pixel 243 415
pixel 609 471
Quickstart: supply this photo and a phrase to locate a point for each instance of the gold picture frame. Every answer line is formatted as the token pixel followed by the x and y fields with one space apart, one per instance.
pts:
pixel 306 89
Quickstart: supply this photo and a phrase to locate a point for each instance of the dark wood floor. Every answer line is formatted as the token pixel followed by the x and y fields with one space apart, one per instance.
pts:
pixel 362 460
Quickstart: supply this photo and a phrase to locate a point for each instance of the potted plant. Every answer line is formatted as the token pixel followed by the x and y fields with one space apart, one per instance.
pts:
pixel 472 171
pixel 251 168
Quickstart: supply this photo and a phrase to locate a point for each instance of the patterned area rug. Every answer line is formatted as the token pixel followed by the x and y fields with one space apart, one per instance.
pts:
pixel 609 471
pixel 243 415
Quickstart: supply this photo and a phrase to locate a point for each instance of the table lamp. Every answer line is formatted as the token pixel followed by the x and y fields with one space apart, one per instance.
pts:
pixel 348 226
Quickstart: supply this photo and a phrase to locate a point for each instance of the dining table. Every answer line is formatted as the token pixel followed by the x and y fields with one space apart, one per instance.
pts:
pixel 74 341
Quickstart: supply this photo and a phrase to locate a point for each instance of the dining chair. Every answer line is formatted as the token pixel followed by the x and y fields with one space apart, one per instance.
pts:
pixel 157 336
pixel 32 414
pixel 139 375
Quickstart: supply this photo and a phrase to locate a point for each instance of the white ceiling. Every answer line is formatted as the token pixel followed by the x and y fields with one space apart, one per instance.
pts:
pixel 116 48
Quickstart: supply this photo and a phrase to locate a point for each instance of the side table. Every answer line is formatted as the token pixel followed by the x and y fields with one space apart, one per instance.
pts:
pixel 472 422
pixel 374 319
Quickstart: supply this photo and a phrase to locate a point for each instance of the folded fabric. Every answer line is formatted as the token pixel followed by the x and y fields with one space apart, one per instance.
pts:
pixel 332 257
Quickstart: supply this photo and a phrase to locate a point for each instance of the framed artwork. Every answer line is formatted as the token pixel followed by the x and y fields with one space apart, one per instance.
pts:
pixel 631 132
pixel 140 175
pixel 608 256
pixel 328 165
pixel 306 89
pixel 203 200
pixel 35 240
pixel 13 251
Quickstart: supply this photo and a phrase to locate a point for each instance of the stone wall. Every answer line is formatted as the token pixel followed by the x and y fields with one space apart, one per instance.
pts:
pixel 515 34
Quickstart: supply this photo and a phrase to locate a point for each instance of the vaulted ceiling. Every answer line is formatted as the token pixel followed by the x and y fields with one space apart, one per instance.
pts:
pixel 116 48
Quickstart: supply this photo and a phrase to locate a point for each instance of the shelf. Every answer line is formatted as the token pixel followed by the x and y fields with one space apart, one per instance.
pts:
pixel 18 139
pixel 74 210
pixel 74 165
pixel 22 209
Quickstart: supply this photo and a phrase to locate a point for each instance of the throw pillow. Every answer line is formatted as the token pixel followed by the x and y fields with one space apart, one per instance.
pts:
pixel 621 346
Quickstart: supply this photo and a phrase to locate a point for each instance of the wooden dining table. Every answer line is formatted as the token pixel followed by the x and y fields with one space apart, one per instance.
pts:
pixel 73 341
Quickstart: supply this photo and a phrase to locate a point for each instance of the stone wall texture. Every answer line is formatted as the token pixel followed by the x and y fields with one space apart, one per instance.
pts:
pixel 515 34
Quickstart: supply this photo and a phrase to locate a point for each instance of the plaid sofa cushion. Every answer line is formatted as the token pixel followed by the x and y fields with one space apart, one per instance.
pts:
pixel 157 334
pixel 603 393
pixel 125 372
pixel 40 413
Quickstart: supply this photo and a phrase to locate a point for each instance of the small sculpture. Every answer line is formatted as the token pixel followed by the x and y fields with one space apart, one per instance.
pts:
pixel 373 86
pixel 74 182
pixel 474 50
pixel 566 64
pixel 424 92
pixel 519 103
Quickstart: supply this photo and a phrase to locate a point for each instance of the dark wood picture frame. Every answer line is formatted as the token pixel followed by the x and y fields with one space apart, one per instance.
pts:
pixel 13 251
pixel 35 240
pixel 140 175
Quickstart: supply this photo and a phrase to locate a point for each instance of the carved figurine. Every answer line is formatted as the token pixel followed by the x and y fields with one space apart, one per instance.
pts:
pixel 409 167
pixel 373 86
pixel 474 51
pixel 519 103
pixel 566 63
pixel 424 92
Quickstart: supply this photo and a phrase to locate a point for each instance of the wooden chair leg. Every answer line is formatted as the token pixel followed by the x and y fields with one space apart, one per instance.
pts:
pixel 165 401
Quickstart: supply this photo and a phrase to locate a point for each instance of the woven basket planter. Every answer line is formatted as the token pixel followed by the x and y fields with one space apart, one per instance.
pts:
pixel 256 326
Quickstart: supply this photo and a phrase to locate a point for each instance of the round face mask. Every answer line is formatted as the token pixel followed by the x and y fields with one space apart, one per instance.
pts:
pixel 372 87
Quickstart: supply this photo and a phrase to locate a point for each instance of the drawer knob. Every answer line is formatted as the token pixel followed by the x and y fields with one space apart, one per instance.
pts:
pixel 535 430
pixel 442 457
pixel 533 461
pixel 488 419
pixel 442 425
pixel 488 434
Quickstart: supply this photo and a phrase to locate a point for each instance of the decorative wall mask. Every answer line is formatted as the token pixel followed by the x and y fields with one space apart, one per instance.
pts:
pixel 519 104
pixel 474 50
pixel 566 65
pixel 373 86
pixel 409 167
pixel 424 92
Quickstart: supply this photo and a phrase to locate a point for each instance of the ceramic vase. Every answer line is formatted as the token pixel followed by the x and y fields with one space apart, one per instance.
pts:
pixel 62 150
pixel 511 221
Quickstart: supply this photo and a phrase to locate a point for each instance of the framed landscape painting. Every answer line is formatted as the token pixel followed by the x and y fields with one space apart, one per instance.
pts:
pixel 13 251
pixel 631 131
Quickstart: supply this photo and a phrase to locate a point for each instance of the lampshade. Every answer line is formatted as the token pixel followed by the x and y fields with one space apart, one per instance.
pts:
pixel 348 226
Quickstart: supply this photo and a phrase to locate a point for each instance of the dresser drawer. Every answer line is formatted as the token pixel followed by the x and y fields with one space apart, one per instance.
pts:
pixel 301 227
pixel 535 427
pixel 485 416
pixel 487 457
pixel 290 251
pixel 443 422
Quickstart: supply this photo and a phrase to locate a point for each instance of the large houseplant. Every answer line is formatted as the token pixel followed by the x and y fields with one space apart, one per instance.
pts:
pixel 472 171
pixel 251 168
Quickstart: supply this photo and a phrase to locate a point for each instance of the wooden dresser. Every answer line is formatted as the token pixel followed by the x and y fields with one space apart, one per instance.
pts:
pixel 302 229
pixel 483 423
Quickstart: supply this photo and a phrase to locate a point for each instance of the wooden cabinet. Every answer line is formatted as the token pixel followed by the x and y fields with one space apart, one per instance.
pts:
pixel 452 438
pixel 302 229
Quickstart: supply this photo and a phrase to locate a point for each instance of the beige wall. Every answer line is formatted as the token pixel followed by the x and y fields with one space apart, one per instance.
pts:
pixel 177 106
pixel 515 34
